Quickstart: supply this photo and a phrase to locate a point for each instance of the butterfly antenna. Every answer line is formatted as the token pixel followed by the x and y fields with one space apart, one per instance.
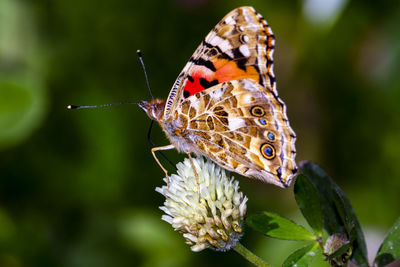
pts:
pixel 101 106
pixel 139 53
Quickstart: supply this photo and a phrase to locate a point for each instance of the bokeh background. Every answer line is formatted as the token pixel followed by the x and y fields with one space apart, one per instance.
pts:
pixel 77 187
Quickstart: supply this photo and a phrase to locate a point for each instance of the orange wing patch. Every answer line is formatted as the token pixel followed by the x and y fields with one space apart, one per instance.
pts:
pixel 228 70
pixel 202 78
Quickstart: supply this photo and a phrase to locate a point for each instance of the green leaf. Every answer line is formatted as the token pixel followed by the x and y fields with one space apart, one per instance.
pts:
pixel 303 256
pixel 276 226
pixel 390 248
pixel 308 200
pixel 339 216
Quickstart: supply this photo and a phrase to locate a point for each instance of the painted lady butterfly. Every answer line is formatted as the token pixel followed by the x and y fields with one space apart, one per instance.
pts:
pixel 224 105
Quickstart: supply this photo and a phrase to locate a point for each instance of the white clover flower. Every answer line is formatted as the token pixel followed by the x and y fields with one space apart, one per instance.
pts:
pixel 213 222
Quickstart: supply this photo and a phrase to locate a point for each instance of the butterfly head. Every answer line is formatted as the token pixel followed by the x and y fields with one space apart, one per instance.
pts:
pixel 154 108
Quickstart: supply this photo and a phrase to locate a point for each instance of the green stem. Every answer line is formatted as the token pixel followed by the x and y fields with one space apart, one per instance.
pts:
pixel 250 256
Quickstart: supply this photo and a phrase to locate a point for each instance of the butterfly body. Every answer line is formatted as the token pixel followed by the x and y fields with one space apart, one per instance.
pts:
pixel 224 104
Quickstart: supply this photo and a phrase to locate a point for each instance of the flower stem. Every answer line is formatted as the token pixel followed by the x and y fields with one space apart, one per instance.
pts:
pixel 250 256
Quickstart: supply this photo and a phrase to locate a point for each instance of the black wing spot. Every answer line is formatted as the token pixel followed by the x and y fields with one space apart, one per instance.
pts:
pixel 201 62
pixel 206 63
pixel 186 94
pixel 190 78
pixel 206 84
pixel 212 52
pixel 239 59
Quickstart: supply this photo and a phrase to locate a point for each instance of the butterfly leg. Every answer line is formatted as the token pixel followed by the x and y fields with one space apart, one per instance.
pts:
pixel 195 174
pixel 159 148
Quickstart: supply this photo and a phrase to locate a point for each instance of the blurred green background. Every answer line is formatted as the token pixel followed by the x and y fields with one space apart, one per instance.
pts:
pixel 77 187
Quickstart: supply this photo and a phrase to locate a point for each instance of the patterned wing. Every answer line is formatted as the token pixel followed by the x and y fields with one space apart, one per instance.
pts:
pixel 240 46
pixel 243 128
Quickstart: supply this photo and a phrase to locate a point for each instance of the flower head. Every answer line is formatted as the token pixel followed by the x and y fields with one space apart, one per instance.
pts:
pixel 216 220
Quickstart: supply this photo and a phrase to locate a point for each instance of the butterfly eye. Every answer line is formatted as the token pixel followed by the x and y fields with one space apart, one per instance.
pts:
pixel 257 111
pixel 271 136
pixel 268 151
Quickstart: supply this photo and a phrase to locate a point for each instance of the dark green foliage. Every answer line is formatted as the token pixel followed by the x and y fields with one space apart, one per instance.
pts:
pixel 339 216
pixel 308 201
pixel 325 207
pixel 390 247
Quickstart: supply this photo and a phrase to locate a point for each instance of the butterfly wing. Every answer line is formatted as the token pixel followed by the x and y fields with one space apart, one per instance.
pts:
pixel 240 46
pixel 243 128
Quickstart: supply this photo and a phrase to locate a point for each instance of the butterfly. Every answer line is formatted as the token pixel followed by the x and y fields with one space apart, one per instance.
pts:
pixel 224 104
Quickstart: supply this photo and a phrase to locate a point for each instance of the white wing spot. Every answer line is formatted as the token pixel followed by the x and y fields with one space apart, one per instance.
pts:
pixel 244 49
pixel 236 123
pixel 249 18
pixel 195 105
pixel 223 44
pixel 246 38
pixel 253 27
pixel 215 40
pixel 217 94
pixel 230 21
pixel 249 86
